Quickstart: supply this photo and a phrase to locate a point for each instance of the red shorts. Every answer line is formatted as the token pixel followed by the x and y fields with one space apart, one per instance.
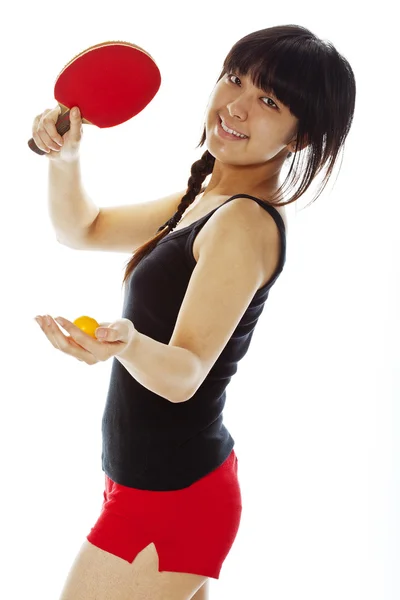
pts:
pixel 193 529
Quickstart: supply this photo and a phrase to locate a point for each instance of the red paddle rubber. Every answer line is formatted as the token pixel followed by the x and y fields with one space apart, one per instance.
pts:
pixel 63 125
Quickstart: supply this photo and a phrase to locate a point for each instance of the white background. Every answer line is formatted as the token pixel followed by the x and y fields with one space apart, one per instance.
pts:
pixel 314 406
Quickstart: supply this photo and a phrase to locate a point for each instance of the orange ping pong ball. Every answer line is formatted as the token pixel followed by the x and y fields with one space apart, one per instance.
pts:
pixel 87 324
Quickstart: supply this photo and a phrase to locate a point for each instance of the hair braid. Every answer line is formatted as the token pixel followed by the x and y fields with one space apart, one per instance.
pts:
pixel 199 171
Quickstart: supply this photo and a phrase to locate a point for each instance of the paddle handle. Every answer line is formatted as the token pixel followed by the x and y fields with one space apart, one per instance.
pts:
pixel 63 125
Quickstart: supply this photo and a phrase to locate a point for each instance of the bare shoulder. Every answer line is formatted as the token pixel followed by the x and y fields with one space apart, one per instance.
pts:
pixel 250 215
pixel 246 218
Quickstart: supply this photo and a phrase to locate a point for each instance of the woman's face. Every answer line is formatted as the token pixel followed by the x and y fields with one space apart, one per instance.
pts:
pixel 268 125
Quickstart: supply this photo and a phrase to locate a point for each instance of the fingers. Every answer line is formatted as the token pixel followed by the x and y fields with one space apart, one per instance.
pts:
pixel 75 124
pixel 66 344
pixel 44 131
pixel 47 138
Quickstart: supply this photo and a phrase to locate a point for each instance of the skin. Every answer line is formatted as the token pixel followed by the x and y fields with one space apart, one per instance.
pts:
pixel 253 164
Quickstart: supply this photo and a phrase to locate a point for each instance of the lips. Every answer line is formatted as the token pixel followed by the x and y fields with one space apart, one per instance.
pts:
pixel 230 126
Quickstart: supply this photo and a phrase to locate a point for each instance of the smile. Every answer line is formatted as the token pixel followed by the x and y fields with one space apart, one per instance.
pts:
pixel 227 133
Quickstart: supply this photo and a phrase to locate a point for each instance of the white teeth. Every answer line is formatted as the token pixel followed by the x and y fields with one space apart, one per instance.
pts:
pixel 225 128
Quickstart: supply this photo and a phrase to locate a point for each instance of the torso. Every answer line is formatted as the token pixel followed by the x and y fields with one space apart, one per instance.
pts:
pixel 199 209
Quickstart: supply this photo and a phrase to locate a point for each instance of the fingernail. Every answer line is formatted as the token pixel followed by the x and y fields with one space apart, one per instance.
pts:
pixel 101 333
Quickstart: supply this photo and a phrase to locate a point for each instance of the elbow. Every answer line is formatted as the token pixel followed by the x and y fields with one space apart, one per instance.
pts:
pixel 65 242
pixel 183 396
pixel 196 378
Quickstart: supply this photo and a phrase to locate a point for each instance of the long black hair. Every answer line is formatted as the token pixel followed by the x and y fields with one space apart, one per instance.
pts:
pixel 316 83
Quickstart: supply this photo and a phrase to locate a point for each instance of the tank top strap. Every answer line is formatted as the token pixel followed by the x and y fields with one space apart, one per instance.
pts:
pixel 194 229
pixel 270 209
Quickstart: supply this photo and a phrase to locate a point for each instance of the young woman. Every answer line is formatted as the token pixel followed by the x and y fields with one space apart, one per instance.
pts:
pixel 195 288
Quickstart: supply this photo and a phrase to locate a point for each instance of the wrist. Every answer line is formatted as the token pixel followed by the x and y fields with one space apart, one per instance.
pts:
pixel 65 164
pixel 131 344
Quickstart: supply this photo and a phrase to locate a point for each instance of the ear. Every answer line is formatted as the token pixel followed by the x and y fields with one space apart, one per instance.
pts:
pixel 292 145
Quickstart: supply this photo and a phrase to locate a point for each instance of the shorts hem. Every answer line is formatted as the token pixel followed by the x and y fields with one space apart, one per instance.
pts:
pixel 164 564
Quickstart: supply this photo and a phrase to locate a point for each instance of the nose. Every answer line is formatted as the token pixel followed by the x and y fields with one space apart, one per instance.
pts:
pixel 239 107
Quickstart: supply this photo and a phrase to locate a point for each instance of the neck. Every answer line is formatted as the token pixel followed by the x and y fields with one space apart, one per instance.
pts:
pixel 227 180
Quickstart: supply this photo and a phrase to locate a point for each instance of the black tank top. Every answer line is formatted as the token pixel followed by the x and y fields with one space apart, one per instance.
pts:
pixel 148 442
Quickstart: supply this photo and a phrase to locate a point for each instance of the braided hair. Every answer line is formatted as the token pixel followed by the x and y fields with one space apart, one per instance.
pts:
pixel 199 171
pixel 316 83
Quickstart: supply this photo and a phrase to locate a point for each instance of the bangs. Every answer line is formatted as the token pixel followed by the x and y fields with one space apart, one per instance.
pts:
pixel 282 66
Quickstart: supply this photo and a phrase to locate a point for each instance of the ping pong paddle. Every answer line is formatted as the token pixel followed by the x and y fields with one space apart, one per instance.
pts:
pixel 110 82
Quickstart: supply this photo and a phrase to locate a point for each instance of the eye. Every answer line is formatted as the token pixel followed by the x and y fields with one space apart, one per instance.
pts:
pixel 272 103
pixel 230 77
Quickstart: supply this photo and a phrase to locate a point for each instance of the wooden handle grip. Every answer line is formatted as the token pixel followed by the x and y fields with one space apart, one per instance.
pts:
pixel 63 125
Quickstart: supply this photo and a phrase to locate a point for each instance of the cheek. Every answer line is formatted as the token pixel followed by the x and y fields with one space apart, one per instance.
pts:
pixel 270 132
pixel 211 117
pixel 218 100
pixel 210 110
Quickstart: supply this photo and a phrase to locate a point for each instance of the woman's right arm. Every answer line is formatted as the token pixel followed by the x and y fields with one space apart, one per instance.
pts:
pixel 78 222
pixel 72 212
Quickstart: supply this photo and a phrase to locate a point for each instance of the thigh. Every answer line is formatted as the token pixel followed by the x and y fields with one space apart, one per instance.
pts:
pixel 98 575
pixel 206 521
pixel 203 593
pixel 158 545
